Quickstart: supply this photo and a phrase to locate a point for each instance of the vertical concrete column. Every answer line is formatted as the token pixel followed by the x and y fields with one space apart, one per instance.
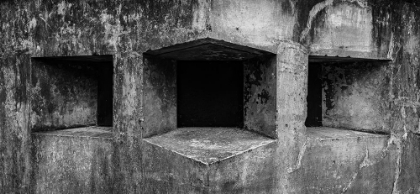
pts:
pixel 292 81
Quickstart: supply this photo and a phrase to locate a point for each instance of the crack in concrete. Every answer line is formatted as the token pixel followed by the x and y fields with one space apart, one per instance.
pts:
pixel 391 47
pixel 299 161
pixel 321 6
pixel 366 162
pixel 312 14
pixel 396 141
pixel 350 182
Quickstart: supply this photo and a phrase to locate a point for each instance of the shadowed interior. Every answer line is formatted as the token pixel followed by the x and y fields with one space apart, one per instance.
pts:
pixel 210 94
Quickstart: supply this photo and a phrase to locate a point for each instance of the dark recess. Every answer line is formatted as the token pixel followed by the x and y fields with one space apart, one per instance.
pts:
pixel 97 67
pixel 314 98
pixel 105 95
pixel 210 94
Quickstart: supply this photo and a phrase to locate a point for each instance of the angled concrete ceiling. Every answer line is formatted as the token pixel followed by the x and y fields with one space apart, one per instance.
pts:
pixel 207 49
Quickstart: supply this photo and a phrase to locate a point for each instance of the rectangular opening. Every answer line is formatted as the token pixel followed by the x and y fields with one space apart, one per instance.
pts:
pixel 314 98
pixel 210 94
pixel 348 95
pixel 105 95
pixel 69 92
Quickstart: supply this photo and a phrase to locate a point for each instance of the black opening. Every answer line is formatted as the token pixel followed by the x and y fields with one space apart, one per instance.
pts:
pixel 210 94
pixel 105 95
pixel 314 98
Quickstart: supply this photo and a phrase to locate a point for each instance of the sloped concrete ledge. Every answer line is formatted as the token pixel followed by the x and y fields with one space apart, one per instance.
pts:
pixel 209 145
pixel 208 160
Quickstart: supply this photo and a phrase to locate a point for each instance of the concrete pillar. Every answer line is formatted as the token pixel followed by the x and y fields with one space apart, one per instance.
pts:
pixel 292 81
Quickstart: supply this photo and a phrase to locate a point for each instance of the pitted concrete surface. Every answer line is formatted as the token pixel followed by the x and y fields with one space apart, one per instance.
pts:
pixel 209 145
pixel 321 133
pixel 89 132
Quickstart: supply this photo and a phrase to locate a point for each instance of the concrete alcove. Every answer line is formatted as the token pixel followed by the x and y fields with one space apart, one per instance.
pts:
pixel 215 75
pixel 346 93
pixel 71 122
pixel 204 102
pixel 69 92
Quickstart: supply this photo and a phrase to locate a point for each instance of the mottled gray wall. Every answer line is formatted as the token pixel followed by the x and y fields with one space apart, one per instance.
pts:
pixel 259 96
pixel 126 29
pixel 355 96
pixel 62 95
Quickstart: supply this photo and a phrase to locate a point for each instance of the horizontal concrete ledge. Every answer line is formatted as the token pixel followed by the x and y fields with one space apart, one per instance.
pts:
pixel 84 132
pixel 209 145
pixel 327 133
pixel 326 58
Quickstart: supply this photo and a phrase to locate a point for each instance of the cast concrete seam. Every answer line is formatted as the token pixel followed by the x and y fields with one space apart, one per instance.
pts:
pixel 318 8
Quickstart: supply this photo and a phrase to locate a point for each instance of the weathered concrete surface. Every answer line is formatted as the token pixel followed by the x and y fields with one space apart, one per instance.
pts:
pixel 292 84
pixel 159 96
pixel 15 164
pixel 160 85
pixel 250 172
pixel 62 95
pixel 259 96
pixel 355 96
pixel 341 161
pixel 73 161
pixel 260 24
pixel 126 29
pixel 408 175
pixel 208 160
pixel 209 145
pixel 343 29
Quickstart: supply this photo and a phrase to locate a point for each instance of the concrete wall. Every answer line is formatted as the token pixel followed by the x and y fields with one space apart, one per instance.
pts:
pixel 159 96
pixel 355 96
pixel 126 29
pixel 62 95
pixel 73 164
pixel 259 96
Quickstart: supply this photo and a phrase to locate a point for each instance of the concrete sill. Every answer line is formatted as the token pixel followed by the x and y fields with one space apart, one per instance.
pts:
pixel 209 145
pixel 327 133
pixel 84 132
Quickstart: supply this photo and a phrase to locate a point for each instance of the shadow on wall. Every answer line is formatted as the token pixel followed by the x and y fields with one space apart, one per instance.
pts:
pixel 349 95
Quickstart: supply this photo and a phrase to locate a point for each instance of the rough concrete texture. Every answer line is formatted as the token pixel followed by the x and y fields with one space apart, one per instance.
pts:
pixel 292 83
pixel 126 29
pixel 259 96
pixel 159 96
pixel 208 160
pixel 62 95
pixel 209 145
pixel 73 161
pixel 160 83
pixel 347 26
pixel 355 96
pixel 340 161
pixel 259 24
pixel 407 173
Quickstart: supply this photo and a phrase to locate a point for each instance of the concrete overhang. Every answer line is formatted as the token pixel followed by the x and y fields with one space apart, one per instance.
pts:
pixel 324 59
pixel 207 49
